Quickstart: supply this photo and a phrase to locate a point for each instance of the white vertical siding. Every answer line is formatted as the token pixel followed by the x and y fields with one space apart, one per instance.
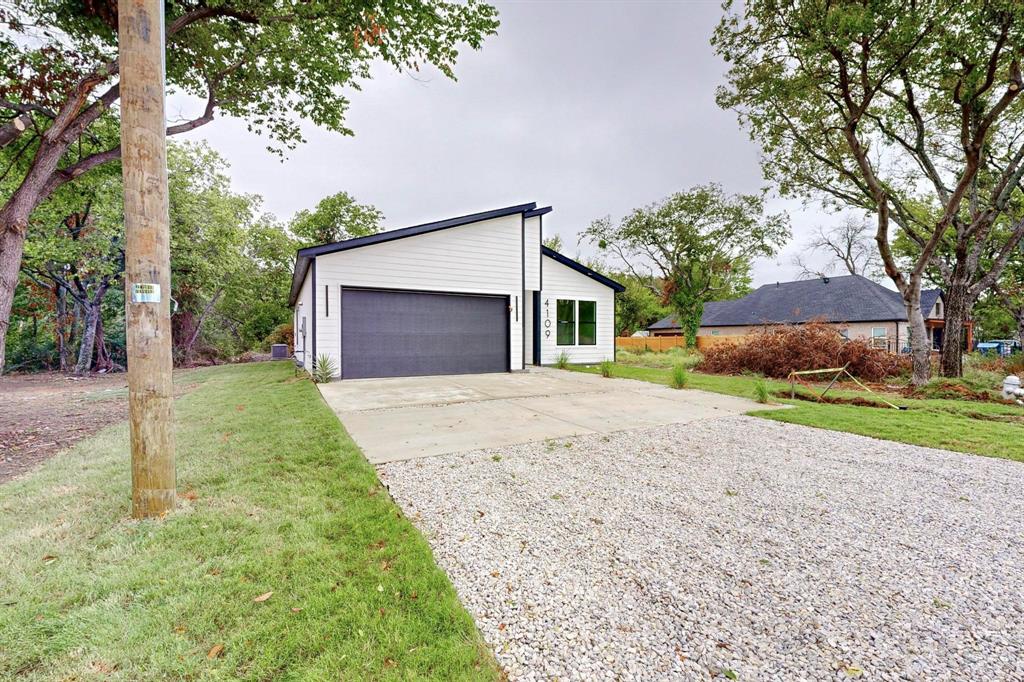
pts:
pixel 483 258
pixel 533 253
pixel 561 281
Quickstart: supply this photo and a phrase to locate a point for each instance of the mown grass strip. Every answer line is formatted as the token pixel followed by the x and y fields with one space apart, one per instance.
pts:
pixel 275 497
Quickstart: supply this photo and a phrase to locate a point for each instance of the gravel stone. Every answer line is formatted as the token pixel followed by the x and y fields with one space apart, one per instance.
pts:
pixel 730 547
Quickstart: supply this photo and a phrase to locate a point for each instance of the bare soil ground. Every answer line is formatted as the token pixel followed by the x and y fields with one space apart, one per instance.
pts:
pixel 42 414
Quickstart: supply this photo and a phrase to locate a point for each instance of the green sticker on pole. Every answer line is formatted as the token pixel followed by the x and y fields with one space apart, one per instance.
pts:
pixel 145 292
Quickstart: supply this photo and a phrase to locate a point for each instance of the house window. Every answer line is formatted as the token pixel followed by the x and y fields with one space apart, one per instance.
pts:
pixel 845 333
pixel 588 323
pixel 938 308
pixel 715 332
pixel 565 312
pixel 879 332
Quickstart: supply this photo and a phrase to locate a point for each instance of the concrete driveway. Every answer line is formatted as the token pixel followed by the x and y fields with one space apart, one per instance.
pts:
pixel 405 418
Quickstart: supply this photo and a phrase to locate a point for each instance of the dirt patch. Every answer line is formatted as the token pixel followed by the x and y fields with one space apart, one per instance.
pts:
pixel 832 399
pixel 952 390
pixel 42 414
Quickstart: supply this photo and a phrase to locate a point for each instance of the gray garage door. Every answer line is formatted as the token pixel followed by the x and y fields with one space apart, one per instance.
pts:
pixel 402 333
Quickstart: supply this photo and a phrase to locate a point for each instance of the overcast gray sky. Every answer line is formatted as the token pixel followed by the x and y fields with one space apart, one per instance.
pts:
pixel 592 107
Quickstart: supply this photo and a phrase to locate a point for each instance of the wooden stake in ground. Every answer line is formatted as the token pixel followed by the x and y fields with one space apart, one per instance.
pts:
pixel 147 255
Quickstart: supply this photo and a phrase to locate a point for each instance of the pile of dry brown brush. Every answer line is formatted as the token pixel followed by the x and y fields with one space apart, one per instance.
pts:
pixel 778 350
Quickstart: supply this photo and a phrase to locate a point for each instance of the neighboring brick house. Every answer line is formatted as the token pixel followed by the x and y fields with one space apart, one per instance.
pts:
pixel 854 305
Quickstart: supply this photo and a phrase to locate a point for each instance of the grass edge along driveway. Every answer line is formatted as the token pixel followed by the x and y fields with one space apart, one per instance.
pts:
pixel 962 426
pixel 274 498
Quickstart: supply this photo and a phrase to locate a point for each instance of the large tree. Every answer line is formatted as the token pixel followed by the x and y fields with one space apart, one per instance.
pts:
pixel 910 111
pixel 693 247
pixel 335 218
pixel 269 62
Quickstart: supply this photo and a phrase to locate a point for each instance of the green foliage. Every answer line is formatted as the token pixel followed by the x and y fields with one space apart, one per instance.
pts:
pixel 324 368
pixel 680 377
pixel 274 497
pixel 335 218
pixel 697 244
pixel 638 306
pixel 562 361
pixel 554 242
pixel 762 394
pixel 268 62
pixel 606 368
pixel 910 111
pixel 230 264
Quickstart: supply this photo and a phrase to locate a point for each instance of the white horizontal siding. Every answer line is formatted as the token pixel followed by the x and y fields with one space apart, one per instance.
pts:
pixel 561 281
pixel 482 258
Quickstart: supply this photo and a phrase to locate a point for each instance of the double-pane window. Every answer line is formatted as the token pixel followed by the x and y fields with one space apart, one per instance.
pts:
pixel 566 322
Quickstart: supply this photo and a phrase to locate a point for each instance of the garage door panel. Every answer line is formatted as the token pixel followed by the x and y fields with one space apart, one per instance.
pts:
pixel 391 333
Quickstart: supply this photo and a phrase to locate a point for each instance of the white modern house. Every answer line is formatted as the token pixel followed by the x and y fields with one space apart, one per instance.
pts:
pixel 472 294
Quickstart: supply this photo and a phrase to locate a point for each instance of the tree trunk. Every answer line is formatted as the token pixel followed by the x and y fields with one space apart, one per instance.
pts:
pixel 85 351
pixel 187 354
pixel 920 350
pixel 12 242
pixel 958 305
pixel 60 327
pixel 103 361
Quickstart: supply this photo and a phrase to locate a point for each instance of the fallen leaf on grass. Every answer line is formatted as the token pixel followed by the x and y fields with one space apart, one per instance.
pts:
pixel 49 559
pixel 263 597
pixel 296 609
pixel 215 652
pixel 190 495
pixel 390 663
pixel 385 565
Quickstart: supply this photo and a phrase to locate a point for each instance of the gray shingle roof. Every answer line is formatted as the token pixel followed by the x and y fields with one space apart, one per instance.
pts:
pixel 849 298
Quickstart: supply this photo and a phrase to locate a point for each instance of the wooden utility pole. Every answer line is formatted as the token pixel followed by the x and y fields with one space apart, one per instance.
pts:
pixel 147 255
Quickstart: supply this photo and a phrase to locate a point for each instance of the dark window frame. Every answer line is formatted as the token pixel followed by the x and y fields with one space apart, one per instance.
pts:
pixel 580 322
pixel 561 324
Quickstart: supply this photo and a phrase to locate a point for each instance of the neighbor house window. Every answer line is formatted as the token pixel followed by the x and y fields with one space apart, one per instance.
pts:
pixel 879 332
pixel 566 321
pixel 588 323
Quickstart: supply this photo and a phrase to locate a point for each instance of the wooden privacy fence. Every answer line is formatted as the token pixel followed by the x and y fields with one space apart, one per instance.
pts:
pixel 649 343
pixel 658 344
pixel 705 342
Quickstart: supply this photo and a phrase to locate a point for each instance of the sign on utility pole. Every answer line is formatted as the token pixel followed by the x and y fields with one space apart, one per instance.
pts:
pixel 147 255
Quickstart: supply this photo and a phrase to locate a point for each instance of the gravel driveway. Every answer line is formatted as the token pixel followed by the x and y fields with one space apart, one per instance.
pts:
pixel 736 547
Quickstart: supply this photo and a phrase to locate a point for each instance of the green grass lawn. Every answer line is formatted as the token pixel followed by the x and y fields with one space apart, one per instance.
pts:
pixel 990 429
pixel 275 498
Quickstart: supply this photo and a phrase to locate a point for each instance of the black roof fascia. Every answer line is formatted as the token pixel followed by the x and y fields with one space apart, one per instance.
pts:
pixel 581 268
pixel 544 210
